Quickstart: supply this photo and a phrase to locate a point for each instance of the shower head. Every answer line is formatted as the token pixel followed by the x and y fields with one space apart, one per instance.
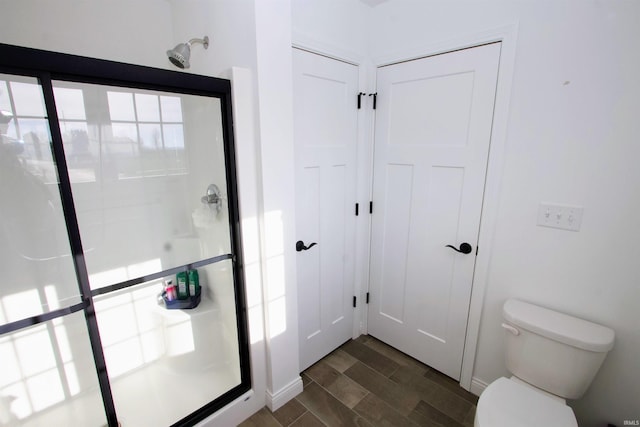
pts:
pixel 179 55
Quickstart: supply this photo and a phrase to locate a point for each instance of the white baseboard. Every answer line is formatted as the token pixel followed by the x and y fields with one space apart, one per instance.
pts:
pixel 278 399
pixel 477 386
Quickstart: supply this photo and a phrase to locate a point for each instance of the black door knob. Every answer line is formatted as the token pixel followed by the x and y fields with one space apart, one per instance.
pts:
pixel 465 248
pixel 301 247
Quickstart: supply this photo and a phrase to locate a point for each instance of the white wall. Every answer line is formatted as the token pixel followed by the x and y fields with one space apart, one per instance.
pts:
pixel 335 26
pixel 230 25
pixel 572 138
pixel 274 71
pixel 134 32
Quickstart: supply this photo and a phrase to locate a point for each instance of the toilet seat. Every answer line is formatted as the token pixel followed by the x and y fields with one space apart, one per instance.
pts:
pixel 505 403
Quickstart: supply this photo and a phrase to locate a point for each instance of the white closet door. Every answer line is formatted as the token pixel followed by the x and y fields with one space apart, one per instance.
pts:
pixel 325 132
pixel 433 128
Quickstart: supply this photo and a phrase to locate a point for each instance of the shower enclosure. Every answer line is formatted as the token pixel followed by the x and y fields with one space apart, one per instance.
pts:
pixel 114 179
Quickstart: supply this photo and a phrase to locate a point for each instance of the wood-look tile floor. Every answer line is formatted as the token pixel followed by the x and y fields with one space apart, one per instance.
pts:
pixel 368 383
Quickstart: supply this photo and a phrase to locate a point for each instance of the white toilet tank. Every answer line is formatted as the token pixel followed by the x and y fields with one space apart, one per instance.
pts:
pixel 555 352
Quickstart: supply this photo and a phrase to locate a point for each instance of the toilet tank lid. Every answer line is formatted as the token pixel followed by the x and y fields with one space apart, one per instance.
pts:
pixel 559 326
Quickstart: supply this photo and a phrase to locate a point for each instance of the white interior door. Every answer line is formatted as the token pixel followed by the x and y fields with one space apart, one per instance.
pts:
pixel 433 128
pixel 325 133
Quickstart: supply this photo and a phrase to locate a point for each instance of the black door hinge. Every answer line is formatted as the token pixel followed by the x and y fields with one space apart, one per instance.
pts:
pixel 371 207
pixel 367 300
pixel 375 97
pixel 354 301
pixel 357 208
pixel 360 99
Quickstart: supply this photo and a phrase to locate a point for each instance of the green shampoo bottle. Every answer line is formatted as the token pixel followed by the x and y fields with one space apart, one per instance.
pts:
pixel 183 287
pixel 194 283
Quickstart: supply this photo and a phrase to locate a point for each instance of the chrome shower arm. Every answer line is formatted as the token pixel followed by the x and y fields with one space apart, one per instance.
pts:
pixel 204 41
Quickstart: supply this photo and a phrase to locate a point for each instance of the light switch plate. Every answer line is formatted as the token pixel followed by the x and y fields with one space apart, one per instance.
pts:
pixel 564 217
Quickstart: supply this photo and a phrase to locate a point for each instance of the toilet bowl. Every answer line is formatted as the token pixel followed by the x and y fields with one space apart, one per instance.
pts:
pixel 507 403
pixel 553 357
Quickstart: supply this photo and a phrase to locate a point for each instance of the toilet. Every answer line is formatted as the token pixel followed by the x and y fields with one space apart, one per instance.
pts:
pixel 552 357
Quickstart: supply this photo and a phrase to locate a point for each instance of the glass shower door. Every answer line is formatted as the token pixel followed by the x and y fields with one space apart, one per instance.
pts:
pixel 47 372
pixel 114 180
pixel 148 179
